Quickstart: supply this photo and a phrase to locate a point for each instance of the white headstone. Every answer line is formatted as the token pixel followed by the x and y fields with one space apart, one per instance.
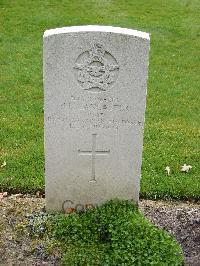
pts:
pixel 95 80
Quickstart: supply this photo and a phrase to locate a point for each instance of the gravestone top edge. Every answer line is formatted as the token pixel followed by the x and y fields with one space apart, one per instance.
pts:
pixel 97 28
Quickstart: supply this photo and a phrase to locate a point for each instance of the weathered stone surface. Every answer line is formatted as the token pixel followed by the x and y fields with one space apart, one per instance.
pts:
pixel 95 80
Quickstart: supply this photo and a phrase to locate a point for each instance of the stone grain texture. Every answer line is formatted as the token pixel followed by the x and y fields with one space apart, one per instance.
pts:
pixel 95 80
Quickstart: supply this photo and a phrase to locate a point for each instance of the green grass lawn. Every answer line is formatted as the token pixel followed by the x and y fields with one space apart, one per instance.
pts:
pixel 172 115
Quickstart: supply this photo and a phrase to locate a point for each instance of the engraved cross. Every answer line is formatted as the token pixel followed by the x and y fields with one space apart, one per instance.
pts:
pixel 93 153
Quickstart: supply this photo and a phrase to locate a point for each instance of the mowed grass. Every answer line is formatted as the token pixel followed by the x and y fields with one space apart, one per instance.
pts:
pixel 173 102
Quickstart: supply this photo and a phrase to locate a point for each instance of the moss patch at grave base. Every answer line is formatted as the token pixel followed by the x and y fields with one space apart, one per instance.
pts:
pixel 114 234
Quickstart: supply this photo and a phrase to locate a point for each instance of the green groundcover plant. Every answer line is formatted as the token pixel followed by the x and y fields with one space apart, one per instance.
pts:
pixel 115 233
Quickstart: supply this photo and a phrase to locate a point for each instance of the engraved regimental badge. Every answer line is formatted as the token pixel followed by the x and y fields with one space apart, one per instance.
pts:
pixel 96 69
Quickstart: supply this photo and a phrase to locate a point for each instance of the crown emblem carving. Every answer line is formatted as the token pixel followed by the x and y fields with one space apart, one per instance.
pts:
pixel 96 69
